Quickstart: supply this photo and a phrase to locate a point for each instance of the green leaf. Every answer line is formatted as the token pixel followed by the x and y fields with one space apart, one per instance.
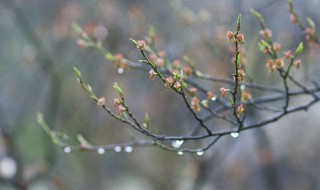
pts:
pixel 109 57
pixel 255 13
pixel 264 44
pixel 77 72
pixel 151 32
pixel 184 85
pixel 186 59
pixel 238 58
pixel 83 141
pixel 176 76
pixel 231 101
pixel 133 41
pixel 299 48
pixel 76 28
pixel 118 89
pixel 239 22
pixel 311 23
pixel 147 119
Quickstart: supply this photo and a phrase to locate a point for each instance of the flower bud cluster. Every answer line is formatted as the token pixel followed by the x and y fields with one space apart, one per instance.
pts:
pixel 234 37
pixel 118 104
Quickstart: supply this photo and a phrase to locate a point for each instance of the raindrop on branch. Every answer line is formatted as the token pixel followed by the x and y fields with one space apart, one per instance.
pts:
pixel 67 149
pixel 177 143
pixel 101 151
pixel 128 149
pixel 234 134
pixel 117 148
pixel 200 153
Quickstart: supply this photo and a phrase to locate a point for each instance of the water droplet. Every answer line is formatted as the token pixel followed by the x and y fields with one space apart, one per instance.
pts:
pixel 180 153
pixel 128 149
pixel 101 151
pixel 200 153
pixel 67 149
pixel 120 70
pixel 89 87
pixel 214 98
pixel 242 87
pixel 8 167
pixel 234 134
pixel 177 143
pixel 117 148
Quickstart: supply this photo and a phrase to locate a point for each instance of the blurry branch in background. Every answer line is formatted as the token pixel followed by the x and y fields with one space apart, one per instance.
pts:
pixel 47 68
pixel 182 77
pixel 309 30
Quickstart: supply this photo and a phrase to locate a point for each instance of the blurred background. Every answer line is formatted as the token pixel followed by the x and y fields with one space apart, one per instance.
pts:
pixel 38 51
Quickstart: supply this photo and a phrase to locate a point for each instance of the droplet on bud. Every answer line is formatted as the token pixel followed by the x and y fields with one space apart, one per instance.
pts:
pixel 242 87
pixel 67 149
pixel 117 148
pixel 234 134
pixel 180 153
pixel 120 70
pixel 200 153
pixel 101 151
pixel 128 149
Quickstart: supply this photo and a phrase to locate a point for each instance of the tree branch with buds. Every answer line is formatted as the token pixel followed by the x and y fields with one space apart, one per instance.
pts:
pixel 185 80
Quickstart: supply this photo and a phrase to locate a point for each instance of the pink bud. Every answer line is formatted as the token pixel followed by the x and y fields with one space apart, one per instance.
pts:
pixel 152 74
pixel 223 92
pixel 141 44
pixel 101 101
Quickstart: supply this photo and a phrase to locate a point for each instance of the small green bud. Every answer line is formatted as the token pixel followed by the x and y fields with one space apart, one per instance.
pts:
pixel 184 85
pixel 118 89
pixel 147 119
pixel 133 41
pixel 39 117
pixel 299 48
pixel 264 44
pixel 311 23
pixel 239 22
pixel 231 101
pixel 77 72
pixel 186 59
pixel 151 32
pixel 255 13
pixel 109 57
pixel 76 28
